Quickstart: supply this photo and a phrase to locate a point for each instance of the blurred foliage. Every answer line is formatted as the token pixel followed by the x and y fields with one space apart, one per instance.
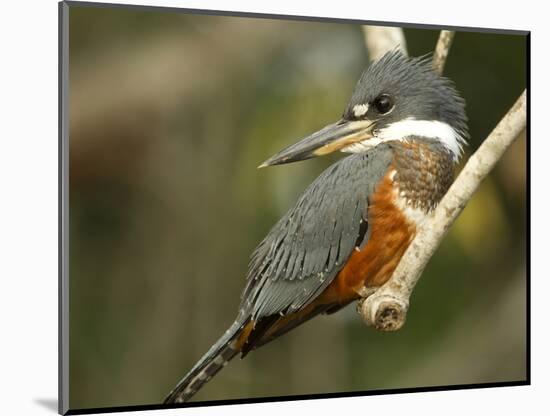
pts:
pixel 170 114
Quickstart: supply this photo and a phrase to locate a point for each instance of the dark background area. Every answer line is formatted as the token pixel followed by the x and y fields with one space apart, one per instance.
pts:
pixel 169 116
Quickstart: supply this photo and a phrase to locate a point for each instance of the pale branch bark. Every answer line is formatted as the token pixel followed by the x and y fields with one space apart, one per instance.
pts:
pixel 442 50
pixel 381 39
pixel 386 308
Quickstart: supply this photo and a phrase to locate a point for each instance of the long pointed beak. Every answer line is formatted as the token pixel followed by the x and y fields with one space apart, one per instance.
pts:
pixel 327 140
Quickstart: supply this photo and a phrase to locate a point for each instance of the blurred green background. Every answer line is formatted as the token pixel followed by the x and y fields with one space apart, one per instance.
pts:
pixel 169 116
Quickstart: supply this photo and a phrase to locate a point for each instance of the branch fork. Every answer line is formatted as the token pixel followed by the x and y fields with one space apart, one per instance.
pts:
pixel 385 307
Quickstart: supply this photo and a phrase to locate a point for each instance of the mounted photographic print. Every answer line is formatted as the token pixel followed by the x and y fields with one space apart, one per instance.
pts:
pixel 259 208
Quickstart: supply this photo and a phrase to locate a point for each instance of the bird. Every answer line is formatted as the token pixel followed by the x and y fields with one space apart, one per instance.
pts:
pixel 402 131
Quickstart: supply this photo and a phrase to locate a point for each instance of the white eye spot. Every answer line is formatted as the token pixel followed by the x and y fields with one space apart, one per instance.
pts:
pixel 360 110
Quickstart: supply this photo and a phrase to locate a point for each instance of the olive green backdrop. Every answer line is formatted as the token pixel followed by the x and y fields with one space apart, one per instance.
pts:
pixel 169 116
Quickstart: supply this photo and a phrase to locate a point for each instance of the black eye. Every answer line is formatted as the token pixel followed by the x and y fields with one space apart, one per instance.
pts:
pixel 383 103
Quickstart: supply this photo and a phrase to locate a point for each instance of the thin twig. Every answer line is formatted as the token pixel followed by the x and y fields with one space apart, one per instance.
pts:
pixel 442 50
pixel 386 309
pixel 381 39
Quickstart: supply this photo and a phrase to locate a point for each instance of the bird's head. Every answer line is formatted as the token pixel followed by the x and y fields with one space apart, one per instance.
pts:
pixel 396 98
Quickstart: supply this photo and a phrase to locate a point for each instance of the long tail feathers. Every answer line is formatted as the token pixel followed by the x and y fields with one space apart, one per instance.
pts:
pixel 213 361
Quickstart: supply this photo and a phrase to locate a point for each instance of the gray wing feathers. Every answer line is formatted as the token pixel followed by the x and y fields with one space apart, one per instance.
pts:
pixel 309 245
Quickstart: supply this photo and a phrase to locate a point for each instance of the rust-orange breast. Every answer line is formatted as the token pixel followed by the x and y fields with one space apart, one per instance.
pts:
pixel 390 234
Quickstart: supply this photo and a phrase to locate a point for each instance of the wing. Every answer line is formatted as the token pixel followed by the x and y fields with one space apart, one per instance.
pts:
pixel 306 249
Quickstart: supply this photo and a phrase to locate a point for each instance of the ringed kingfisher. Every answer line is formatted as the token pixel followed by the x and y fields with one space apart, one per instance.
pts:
pixel 404 129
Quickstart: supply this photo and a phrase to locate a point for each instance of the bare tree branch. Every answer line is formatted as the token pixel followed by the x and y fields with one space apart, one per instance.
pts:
pixel 386 308
pixel 442 50
pixel 381 39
